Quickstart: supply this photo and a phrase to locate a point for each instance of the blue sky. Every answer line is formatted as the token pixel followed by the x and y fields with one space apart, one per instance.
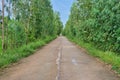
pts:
pixel 63 7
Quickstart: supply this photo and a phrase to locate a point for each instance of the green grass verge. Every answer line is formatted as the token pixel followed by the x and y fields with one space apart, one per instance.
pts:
pixel 12 56
pixel 108 57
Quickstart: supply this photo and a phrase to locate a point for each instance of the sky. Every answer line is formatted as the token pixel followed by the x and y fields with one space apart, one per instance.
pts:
pixel 63 7
pixel 0 4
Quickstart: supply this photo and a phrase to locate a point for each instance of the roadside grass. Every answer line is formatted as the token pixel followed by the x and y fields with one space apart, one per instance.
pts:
pixel 14 55
pixel 0 44
pixel 108 57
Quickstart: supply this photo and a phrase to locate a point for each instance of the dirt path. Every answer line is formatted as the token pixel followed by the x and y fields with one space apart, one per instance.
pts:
pixel 59 60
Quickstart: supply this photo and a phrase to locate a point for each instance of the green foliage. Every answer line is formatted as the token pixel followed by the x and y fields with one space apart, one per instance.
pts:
pixel 97 22
pixel 31 20
pixel 16 34
pixel 11 56
pixel 57 23
pixel 33 24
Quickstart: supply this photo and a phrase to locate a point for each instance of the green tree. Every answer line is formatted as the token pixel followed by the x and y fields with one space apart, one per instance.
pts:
pixel 96 22
pixel 31 20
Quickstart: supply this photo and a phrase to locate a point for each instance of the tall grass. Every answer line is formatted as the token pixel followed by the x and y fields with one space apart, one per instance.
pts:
pixel 11 56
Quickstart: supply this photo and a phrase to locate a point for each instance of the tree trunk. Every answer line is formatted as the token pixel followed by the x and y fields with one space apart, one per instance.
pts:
pixel 3 25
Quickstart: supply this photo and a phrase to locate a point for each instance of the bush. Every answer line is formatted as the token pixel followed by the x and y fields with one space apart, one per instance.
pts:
pixel 11 56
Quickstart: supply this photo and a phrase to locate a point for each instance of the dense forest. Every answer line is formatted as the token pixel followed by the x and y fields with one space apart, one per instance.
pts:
pixel 96 22
pixel 25 26
pixel 26 21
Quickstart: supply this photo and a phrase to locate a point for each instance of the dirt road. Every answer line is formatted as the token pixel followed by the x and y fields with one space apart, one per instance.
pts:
pixel 59 60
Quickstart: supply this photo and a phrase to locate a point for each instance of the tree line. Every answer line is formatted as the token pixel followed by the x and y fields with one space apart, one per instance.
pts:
pixel 96 22
pixel 27 21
